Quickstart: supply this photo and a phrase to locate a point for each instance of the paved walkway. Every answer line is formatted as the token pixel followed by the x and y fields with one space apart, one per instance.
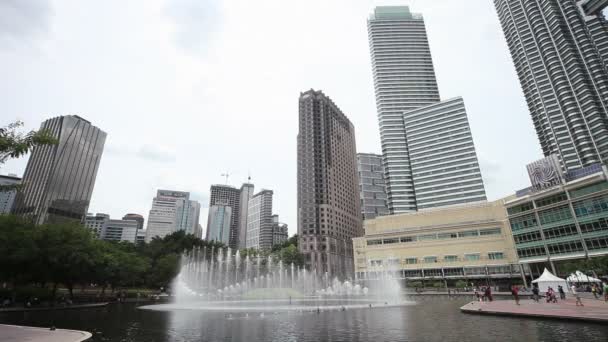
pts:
pixel 594 310
pixel 14 333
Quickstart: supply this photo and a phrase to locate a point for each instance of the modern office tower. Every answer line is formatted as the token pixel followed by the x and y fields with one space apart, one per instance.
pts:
pixel 218 223
pixel 444 163
pixel 225 195
pixel 120 230
pixel 96 222
pixel 172 211
pixel 329 212
pixel 280 232
pixel 404 79
pixel 372 189
pixel 135 217
pixel 560 52
pixel 7 197
pixel 259 221
pixel 246 193
pixel 59 179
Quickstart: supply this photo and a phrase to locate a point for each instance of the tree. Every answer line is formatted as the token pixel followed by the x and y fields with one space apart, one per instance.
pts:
pixel 14 144
pixel 17 250
pixel 290 254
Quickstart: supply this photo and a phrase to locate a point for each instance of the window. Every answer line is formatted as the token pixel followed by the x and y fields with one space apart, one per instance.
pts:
pixel 375 262
pixel 472 257
pixel 430 259
pixel 411 261
pixel 496 255
pixel 374 242
pixel 408 238
pixel 468 233
pixel 555 214
pixel 490 231
pixel 591 206
pixel 523 222
pixel 531 252
pixel 450 258
pixel 592 226
pixel 389 241
pixel 543 202
pixel 565 247
pixel 520 208
pixel 597 243
pixel 427 237
pixel 447 236
pixel 589 189
pixel 560 231
pixel 527 237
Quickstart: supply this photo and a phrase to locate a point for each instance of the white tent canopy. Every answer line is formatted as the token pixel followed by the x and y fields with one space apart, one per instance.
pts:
pixel 547 279
pixel 580 277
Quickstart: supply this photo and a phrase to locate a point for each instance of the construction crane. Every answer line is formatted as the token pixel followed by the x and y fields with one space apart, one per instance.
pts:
pixel 226 175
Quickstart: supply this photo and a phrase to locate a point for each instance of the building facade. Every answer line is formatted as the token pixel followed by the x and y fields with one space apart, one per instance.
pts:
pixel 560 52
pixel 444 165
pixel 246 194
pixel 280 233
pixel 329 212
pixel 59 179
pixel 562 220
pixel 260 221
pixel 172 211
pixel 120 230
pixel 137 218
pixel 218 223
pixel 95 223
pixel 372 188
pixel 225 195
pixel 470 242
pixel 7 198
pixel 404 79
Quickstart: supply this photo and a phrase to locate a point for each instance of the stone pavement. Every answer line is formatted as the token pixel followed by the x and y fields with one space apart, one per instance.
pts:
pixel 15 333
pixel 594 310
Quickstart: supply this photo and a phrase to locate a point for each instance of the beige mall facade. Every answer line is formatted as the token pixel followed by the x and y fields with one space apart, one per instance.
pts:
pixel 469 242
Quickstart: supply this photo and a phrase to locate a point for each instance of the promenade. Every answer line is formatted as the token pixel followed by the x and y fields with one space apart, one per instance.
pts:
pixel 594 310
pixel 16 333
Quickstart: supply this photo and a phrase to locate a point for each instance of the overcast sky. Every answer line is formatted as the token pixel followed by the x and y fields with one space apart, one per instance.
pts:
pixel 190 89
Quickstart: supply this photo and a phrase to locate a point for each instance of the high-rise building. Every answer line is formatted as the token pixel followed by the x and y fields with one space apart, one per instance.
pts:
pixel 372 188
pixel 141 236
pixel 560 52
pixel 218 223
pixel 404 79
pixel 246 193
pixel 444 163
pixel 428 153
pixel 225 195
pixel 259 221
pixel 59 179
pixel 95 223
pixel 280 232
pixel 329 212
pixel 172 211
pixel 7 198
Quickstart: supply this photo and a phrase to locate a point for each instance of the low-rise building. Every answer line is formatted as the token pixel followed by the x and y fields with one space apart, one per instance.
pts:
pixel 561 216
pixel 7 198
pixel 471 242
pixel 120 230
pixel 95 223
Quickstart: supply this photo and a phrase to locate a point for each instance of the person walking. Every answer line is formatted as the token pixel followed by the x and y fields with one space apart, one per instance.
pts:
pixel 576 295
pixel 535 294
pixel 562 294
pixel 515 293
pixel 594 291
pixel 489 293
pixel 606 292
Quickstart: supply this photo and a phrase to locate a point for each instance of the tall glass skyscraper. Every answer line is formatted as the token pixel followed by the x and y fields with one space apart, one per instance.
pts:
pixel 172 211
pixel 59 179
pixel 404 79
pixel 560 51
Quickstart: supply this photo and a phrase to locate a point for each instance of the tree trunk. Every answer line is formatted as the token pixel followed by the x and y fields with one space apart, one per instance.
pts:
pixel 71 291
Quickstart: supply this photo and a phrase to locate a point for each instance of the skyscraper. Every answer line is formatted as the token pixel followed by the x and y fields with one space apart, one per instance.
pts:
pixel 445 170
pixel 372 188
pixel 259 221
pixel 560 52
pixel 172 211
pixel 59 179
pixel 246 193
pixel 329 213
pixel 427 147
pixel 218 223
pixel 225 195
pixel 404 79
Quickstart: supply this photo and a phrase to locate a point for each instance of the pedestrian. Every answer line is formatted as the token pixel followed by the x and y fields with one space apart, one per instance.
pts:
pixel 606 292
pixel 535 294
pixel 515 293
pixel 576 295
pixel 489 293
pixel 562 294
pixel 594 291
pixel 477 295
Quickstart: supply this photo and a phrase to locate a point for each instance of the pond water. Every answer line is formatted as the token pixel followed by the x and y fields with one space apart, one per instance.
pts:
pixel 436 318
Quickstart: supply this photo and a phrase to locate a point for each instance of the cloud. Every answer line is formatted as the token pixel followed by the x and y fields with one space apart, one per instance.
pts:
pixel 195 23
pixel 21 19
pixel 155 153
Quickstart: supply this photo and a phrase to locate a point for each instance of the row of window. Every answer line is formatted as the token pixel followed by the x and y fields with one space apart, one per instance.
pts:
pixel 433 259
pixel 436 236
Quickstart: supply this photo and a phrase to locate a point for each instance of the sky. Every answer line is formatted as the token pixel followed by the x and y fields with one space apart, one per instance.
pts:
pixel 188 90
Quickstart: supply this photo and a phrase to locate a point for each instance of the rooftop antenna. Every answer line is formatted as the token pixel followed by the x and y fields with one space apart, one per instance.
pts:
pixel 226 175
pixel 248 176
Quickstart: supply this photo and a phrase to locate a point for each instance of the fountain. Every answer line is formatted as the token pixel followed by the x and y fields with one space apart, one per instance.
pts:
pixel 220 280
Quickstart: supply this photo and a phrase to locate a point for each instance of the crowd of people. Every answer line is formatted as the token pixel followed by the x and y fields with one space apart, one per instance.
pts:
pixel 551 294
